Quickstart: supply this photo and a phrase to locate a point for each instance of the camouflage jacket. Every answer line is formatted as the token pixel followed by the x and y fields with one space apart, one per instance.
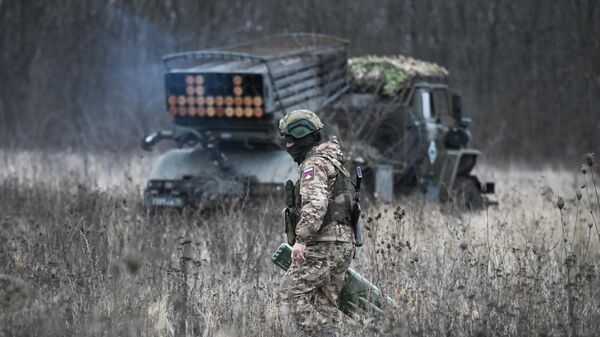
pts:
pixel 317 178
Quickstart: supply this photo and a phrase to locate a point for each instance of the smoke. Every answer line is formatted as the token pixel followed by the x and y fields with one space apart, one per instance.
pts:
pixel 94 80
pixel 134 83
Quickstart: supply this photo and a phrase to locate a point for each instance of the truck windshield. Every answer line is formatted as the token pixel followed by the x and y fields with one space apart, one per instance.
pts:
pixel 440 102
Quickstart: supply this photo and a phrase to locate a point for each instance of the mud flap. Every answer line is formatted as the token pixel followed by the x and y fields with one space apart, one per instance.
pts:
pixel 384 182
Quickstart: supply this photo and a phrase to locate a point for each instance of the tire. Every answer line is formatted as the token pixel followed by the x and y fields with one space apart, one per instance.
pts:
pixel 467 194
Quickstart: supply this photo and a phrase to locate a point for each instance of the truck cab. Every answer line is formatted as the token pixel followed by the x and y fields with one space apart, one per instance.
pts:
pixel 415 140
pixel 445 173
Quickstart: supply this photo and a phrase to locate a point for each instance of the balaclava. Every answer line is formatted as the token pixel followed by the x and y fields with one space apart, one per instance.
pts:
pixel 300 147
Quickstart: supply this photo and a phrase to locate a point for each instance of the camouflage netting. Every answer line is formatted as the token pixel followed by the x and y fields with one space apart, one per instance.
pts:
pixel 386 75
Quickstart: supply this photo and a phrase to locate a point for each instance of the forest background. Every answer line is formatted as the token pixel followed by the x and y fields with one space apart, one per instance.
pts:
pixel 87 74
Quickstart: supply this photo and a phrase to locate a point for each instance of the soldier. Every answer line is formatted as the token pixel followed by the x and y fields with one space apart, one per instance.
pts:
pixel 324 243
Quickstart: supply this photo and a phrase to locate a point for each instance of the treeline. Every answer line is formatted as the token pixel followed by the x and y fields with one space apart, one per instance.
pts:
pixel 88 73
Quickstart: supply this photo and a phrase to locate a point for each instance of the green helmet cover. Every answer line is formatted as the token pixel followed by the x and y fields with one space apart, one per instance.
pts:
pixel 300 123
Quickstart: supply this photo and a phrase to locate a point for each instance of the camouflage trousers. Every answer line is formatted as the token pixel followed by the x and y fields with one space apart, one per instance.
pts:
pixel 310 289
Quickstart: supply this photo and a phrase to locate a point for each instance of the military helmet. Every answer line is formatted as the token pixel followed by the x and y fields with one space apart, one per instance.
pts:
pixel 300 123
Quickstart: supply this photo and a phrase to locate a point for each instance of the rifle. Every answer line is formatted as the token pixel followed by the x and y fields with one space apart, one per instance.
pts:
pixel 287 214
pixel 357 209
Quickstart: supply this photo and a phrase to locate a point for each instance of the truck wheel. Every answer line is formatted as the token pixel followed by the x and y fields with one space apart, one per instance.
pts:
pixel 467 194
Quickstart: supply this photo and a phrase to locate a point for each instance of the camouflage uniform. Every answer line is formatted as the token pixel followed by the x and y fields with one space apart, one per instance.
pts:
pixel 312 287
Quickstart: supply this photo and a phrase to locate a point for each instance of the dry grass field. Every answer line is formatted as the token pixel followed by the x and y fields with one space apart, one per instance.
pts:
pixel 80 257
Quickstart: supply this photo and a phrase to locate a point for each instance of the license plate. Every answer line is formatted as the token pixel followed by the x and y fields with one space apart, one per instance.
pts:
pixel 167 201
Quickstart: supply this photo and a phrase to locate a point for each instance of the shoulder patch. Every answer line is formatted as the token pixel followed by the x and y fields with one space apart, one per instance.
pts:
pixel 308 173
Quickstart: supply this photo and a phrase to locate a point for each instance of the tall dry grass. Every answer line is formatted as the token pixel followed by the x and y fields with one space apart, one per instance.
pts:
pixel 80 257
